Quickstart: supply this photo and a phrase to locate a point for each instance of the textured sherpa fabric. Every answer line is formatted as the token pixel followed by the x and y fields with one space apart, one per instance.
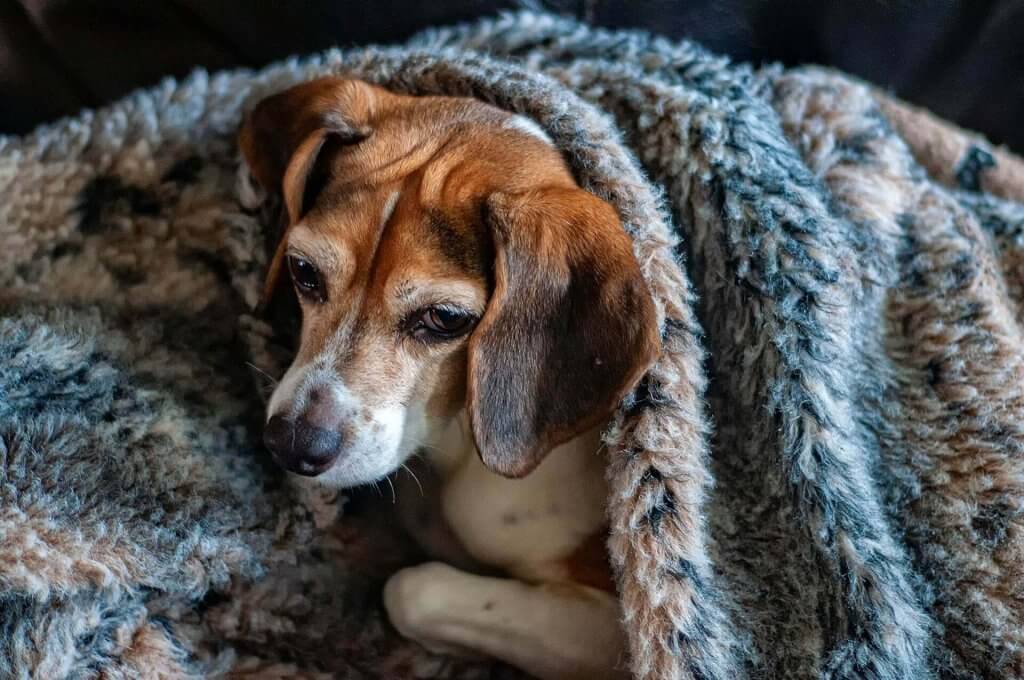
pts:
pixel 821 477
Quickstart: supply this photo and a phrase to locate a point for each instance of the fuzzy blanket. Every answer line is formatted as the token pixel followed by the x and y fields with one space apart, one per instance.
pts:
pixel 821 477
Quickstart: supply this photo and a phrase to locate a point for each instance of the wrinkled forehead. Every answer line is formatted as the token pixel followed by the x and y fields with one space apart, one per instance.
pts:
pixel 407 200
pixel 386 238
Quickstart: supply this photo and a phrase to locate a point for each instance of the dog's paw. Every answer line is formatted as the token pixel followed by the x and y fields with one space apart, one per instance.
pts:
pixel 419 601
pixel 416 597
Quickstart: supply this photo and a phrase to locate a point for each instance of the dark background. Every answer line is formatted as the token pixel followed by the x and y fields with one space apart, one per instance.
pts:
pixel 964 60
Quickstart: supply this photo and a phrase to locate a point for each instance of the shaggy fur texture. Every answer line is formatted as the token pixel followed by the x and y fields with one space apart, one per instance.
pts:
pixel 821 477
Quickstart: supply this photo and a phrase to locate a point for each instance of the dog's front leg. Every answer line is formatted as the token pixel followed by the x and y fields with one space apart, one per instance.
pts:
pixel 553 631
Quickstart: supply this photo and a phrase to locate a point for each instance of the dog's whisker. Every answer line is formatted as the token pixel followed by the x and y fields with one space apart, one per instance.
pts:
pixel 394 499
pixel 414 477
pixel 273 381
pixel 421 445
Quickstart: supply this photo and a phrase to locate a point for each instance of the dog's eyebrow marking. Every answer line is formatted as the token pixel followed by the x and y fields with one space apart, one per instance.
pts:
pixel 405 292
pixel 530 127
pixel 454 292
pixel 302 241
pixel 325 254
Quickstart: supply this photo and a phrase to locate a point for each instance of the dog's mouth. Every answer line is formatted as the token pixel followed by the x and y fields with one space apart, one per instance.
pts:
pixel 304 467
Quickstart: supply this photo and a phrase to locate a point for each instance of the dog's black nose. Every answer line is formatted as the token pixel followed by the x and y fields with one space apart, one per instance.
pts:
pixel 300 447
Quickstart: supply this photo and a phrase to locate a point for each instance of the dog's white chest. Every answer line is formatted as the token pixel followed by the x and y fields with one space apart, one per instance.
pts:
pixel 527 525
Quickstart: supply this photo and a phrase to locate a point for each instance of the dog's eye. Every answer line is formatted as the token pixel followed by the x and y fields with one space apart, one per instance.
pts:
pixel 307 278
pixel 443 322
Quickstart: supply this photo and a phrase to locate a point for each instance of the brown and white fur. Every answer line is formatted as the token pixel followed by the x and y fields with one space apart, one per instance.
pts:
pixel 463 297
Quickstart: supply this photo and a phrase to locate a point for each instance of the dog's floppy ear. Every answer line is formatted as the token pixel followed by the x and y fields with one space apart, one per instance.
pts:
pixel 569 330
pixel 286 134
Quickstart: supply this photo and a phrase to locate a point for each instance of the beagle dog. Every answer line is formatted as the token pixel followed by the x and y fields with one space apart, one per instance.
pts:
pixel 464 299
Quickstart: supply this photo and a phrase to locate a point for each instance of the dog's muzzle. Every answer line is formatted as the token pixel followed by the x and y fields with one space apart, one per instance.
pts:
pixel 301 447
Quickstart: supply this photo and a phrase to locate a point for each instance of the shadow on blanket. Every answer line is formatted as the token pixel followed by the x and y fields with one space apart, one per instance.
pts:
pixel 821 477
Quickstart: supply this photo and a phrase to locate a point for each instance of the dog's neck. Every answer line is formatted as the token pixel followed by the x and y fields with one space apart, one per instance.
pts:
pixel 448 447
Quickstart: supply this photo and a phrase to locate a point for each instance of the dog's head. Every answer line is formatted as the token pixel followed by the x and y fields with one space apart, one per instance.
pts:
pixel 444 259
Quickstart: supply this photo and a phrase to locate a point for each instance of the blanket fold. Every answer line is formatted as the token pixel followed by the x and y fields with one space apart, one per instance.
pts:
pixel 820 477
